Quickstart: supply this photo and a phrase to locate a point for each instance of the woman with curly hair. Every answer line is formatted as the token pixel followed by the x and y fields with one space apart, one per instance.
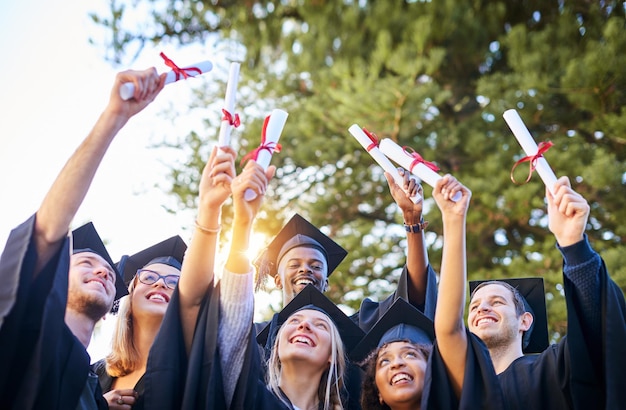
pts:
pixel 400 374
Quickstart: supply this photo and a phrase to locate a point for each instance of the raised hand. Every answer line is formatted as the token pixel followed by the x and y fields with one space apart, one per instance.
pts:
pixel 412 212
pixel 217 176
pixel 252 177
pixel 445 189
pixel 148 84
pixel 568 213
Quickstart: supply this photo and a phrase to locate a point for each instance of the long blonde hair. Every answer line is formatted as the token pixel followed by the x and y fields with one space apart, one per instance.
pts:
pixel 124 357
pixel 331 382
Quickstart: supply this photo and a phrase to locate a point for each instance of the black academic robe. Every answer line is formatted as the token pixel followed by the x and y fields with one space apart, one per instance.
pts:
pixel 571 374
pixel 105 380
pixel 370 311
pixel 175 381
pixel 481 389
pixel 44 366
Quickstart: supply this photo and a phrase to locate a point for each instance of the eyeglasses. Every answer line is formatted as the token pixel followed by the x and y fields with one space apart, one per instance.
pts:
pixel 150 277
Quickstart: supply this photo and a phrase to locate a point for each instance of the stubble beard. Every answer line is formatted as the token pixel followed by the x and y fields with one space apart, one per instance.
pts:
pixel 498 339
pixel 92 306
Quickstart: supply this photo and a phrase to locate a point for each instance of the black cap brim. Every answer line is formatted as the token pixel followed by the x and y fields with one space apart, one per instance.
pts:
pixel 173 247
pixel 533 291
pixel 297 225
pixel 350 333
pixel 86 238
pixel 421 329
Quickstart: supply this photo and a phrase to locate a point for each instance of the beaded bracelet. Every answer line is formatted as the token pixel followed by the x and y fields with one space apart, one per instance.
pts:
pixel 208 230
pixel 417 228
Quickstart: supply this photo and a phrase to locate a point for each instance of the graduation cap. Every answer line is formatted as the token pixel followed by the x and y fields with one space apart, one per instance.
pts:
pixel 311 298
pixel 86 239
pixel 169 252
pixel 299 232
pixel 535 339
pixel 401 322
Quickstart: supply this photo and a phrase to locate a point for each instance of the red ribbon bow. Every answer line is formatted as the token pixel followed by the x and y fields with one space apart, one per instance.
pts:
pixel 542 147
pixel 417 159
pixel 232 120
pixel 271 147
pixel 372 138
pixel 179 71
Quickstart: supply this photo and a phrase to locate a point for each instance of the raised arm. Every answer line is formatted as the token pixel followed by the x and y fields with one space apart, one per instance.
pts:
pixel 199 263
pixel 568 212
pixel 236 289
pixel 449 326
pixel 417 256
pixel 69 189
pixel 255 178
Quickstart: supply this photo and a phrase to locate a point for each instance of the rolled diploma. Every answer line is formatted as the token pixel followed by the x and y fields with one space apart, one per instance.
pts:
pixel 380 158
pixel 395 152
pixel 274 128
pixel 529 146
pixel 128 89
pixel 229 104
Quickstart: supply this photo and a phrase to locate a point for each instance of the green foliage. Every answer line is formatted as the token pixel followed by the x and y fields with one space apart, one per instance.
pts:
pixel 435 76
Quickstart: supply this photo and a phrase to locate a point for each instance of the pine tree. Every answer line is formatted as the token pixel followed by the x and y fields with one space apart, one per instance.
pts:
pixel 435 76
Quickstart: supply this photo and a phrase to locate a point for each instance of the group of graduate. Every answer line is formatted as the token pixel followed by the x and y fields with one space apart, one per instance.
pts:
pixel 185 339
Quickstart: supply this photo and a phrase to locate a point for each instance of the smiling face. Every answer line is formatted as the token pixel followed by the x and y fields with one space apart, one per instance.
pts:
pixel 152 300
pixel 400 369
pixel 306 335
pixel 299 267
pixel 91 288
pixel 494 318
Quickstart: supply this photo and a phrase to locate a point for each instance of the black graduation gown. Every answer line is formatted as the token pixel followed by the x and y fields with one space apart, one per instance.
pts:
pixel 481 389
pixel 570 374
pixel 106 381
pixel 173 381
pixel 43 364
pixel 370 311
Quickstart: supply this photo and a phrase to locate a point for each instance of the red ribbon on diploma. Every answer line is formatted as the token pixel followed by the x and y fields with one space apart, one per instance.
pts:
pixel 542 147
pixel 417 159
pixel 269 146
pixel 232 120
pixel 372 138
pixel 179 71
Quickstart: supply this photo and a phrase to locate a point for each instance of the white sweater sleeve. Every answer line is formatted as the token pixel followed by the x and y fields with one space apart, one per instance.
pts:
pixel 236 321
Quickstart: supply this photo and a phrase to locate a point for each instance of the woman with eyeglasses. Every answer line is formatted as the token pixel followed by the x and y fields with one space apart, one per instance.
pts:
pixel 160 300
pixel 151 276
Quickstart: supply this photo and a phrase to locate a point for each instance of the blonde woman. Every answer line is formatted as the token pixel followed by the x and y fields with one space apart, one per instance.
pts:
pixel 307 362
pixel 153 275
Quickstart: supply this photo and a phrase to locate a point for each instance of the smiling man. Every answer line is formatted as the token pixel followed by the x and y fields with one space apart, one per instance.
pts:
pixel 587 368
pixel 49 301
pixel 301 254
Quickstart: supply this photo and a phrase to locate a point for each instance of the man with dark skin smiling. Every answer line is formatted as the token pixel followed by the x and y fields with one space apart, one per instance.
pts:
pixel 301 254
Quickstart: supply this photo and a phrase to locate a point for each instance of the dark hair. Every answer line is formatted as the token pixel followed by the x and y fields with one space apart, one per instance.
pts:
pixel 369 391
pixel 518 299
